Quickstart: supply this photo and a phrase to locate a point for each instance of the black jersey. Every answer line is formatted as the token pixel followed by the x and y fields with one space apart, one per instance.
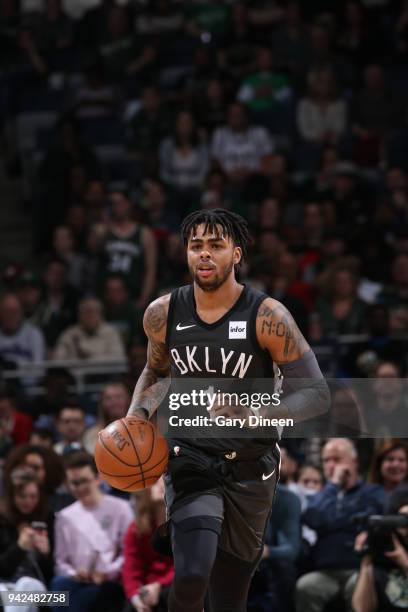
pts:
pixel 227 348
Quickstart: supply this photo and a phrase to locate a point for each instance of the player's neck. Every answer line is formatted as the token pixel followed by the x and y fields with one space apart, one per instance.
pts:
pixel 224 297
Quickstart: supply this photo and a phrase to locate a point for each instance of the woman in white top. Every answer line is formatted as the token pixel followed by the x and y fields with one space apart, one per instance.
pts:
pixel 321 116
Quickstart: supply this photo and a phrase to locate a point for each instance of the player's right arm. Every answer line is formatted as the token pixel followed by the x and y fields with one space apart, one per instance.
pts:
pixel 154 381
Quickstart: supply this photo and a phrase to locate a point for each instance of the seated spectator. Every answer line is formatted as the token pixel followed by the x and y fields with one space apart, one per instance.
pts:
pixel 274 583
pixel 91 338
pixel 47 467
pixel 58 305
pixel 119 310
pixel 57 383
pixel 184 157
pixel 17 424
pixel 26 528
pixel 382 579
pixel 321 116
pixel 330 513
pixel 264 88
pixel 96 98
pixel 114 404
pixel 373 115
pixel 21 343
pixel 146 574
pixel 310 479
pixel 136 364
pixel 89 540
pixel 211 105
pixel 148 127
pixel 41 436
pixel 161 216
pixel 396 295
pixel 389 465
pixel 96 204
pixel 341 311
pixel 30 295
pixel 70 425
pixel 240 148
pixel 386 409
pixel 130 250
pixel 122 54
pixel 65 249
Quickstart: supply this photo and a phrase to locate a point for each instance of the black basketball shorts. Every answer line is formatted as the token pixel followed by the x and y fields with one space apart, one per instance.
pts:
pixel 225 493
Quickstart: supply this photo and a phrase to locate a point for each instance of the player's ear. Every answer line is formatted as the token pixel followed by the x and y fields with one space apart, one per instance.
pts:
pixel 237 255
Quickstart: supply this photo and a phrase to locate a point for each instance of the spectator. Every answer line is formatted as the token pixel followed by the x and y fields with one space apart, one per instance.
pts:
pixel 20 342
pixel 387 408
pixel 212 105
pixel 321 115
pixel 239 147
pixel 41 436
pixel 30 295
pixel 16 424
pixel 341 311
pixel 373 115
pixel 130 250
pixel 148 127
pixel 89 540
pixel 330 513
pixel 119 310
pixel 310 479
pixel 91 338
pixel 65 249
pixel 183 157
pixel 389 465
pixel 396 295
pixel 161 216
pixel 47 467
pixel 122 55
pixel 95 98
pixel 114 404
pixel 70 425
pixel 147 575
pixel 383 574
pixel 273 587
pixel 58 306
pixel 264 88
pixel 26 529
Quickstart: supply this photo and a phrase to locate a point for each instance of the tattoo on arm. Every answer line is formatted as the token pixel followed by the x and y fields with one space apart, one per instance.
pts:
pixel 155 318
pixel 279 323
pixel 150 387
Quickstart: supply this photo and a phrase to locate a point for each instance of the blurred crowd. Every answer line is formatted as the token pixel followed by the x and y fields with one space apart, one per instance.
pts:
pixel 62 528
pixel 119 118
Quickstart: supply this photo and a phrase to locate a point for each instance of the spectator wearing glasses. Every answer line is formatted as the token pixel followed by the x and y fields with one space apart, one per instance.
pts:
pixel 70 424
pixel 89 539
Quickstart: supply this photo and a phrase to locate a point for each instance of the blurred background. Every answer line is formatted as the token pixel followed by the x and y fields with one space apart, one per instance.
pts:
pixel 119 118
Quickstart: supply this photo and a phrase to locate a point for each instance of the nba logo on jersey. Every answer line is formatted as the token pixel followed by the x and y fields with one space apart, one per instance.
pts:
pixel 237 330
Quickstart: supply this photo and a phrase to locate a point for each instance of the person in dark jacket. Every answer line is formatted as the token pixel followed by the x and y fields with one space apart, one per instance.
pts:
pixel 273 586
pixel 330 513
pixel 25 547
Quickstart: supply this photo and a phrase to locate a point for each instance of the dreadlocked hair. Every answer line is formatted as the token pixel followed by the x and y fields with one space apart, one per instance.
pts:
pixel 231 224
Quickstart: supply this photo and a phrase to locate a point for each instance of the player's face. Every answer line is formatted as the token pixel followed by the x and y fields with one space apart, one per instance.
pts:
pixel 211 258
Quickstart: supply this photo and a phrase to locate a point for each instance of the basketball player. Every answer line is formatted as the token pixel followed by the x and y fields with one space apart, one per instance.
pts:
pixel 219 492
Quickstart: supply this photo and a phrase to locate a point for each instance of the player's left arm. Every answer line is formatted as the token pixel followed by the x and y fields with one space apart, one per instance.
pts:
pixel 305 391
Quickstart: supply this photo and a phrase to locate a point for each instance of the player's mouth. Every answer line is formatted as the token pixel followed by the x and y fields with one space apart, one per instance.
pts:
pixel 205 270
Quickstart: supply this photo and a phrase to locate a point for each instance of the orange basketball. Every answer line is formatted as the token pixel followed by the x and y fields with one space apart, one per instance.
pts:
pixel 131 454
